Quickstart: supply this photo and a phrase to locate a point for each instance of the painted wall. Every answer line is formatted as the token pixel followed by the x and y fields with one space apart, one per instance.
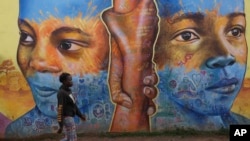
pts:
pixel 200 62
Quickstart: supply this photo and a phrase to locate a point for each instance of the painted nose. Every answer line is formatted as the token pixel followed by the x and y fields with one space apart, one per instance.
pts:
pixel 43 60
pixel 220 61
pixel 43 66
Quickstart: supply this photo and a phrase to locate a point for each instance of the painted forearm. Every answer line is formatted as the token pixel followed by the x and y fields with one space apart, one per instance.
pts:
pixel 134 34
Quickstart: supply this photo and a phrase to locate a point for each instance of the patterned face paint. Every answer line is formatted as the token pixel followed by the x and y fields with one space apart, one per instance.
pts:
pixel 201 53
pixel 60 36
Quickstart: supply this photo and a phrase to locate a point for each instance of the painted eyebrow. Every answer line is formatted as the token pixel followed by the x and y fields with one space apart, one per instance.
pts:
pixel 233 15
pixel 196 17
pixel 66 30
pixel 25 23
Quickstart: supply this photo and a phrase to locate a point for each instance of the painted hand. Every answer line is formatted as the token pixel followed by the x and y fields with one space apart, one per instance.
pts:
pixel 133 26
pixel 132 76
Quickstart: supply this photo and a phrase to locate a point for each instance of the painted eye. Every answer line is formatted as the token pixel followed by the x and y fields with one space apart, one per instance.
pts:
pixel 65 45
pixel 69 45
pixel 26 39
pixel 186 36
pixel 235 32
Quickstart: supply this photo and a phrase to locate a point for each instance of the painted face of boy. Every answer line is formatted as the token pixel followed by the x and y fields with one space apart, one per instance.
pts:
pixel 55 37
pixel 202 50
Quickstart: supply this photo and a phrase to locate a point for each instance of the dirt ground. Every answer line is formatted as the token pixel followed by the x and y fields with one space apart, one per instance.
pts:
pixel 155 138
pixel 132 138
pixel 178 135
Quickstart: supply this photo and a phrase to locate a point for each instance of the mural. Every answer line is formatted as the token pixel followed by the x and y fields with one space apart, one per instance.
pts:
pixel 201 53
pixel 63 37
pixel 148 65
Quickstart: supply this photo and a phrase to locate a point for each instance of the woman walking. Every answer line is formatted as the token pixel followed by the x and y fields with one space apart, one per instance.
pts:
pixel 67 108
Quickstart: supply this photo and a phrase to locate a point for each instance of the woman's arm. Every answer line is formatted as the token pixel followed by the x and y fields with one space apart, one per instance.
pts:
pixel 60 111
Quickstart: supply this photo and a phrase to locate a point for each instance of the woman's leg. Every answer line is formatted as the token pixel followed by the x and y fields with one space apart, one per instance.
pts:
pixel 70 129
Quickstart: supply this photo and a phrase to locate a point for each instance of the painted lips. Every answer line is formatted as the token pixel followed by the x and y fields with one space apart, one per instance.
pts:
pixel 224 86
pixel 45 91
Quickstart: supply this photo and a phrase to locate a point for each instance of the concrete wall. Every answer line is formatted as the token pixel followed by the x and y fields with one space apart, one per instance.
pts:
pixel 199 50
